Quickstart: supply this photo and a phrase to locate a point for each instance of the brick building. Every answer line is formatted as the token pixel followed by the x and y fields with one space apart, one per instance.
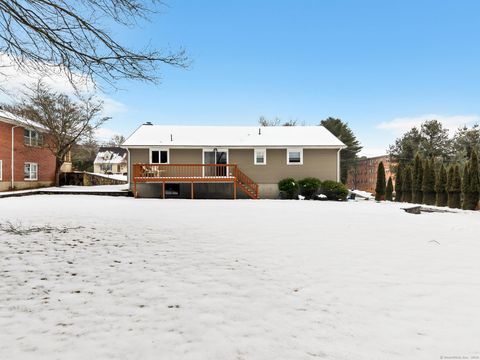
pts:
pixel 364 175
pixel 33 163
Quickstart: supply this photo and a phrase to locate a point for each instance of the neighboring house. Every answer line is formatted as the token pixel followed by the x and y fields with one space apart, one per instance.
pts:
pixel 227 161
pixel 363 176
pixel 22 149
pixel 111 160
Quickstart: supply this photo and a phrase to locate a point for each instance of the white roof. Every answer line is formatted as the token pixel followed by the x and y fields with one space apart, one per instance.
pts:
pixel 110 157
pixel 11 118
pixel 232 136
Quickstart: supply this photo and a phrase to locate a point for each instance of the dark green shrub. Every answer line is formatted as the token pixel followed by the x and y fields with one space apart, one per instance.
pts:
pixel 309 187
pixel 428 185
pixel 334 190
pixel 407 185
pixel 441 187
pixel 381 183
pixel 417 180
pixel 288 188
pixel 399 183
pixel 455 187
pixel 389 190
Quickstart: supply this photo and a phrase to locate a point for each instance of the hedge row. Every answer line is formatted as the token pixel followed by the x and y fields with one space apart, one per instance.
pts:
pixel 312 188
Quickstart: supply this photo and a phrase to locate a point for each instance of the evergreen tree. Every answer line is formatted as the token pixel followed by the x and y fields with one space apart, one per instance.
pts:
pixel 389 190
pixel 428 185
pixel 407 184
pixel 343 132
pixel 471 183
pixel 455 189
pixel 381 186
pixel 466 187
pixel 441 187
pixel 474 180
pixel 417 180
pixel 399 183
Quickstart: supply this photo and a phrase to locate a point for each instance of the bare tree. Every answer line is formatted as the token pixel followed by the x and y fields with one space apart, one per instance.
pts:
pixel 116 140
pixel 71 36
pixel 263 121
pixel 65 121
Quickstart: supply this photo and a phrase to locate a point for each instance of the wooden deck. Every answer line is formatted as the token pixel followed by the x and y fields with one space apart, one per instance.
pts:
pixel 194 173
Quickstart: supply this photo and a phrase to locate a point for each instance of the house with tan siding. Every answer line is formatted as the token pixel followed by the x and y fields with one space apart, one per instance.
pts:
pixel 227 161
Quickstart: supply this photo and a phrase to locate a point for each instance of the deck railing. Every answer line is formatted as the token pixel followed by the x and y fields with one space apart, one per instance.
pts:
pixel 155 172
pixel 165 173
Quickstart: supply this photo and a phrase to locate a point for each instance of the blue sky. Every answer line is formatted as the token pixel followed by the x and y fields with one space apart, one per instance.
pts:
pixel 382 66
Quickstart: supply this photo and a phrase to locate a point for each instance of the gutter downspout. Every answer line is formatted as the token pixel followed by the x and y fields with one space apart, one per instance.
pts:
pixel 12 173
pixel 338 165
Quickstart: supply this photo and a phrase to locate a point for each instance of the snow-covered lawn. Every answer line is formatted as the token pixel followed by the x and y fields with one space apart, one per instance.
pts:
pixel 123 278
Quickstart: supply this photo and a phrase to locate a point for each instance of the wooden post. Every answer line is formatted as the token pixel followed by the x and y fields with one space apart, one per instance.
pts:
pixel 235 189
pixel 135 188
pixel 191 191
pixel 163 189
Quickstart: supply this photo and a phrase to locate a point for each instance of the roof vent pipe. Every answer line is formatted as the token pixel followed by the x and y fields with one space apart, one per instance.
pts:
pixel 171 137
pixel 259 131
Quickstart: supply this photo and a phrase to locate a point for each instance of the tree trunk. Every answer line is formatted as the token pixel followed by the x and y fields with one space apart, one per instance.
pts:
pixel 58 165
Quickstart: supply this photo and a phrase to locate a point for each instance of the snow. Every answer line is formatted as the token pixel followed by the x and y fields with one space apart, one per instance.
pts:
pixel 181 279
pixel 112 176
pixel 111 155
pixel 232 136
pixel 363 194
pixel 18 120
pixel 69 188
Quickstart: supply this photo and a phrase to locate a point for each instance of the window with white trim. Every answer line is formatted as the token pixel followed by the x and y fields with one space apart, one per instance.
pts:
pixel 159 156
pixel 294 156
pixel 32 138
pixel 1 169
pixel 30 171
pixel 260 157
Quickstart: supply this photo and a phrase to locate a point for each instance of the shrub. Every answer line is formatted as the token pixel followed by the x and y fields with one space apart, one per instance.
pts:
pixel 389 190
pixel 407 185
pixel 455 187
pixel 428 185
pixel 309 187
pixel 441 187
pixel 334 190
pixel 399 183
pixel 381 183
pixel 417 180
pixel 288 188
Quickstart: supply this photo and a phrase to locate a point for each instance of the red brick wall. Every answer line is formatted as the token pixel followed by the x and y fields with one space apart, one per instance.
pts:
pixel 365 177
pixel 40 155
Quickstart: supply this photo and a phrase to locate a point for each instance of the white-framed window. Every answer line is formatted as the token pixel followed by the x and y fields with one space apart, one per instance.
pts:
pixel 260 157
pixel 1 169
pixel 294 156
pixel 32 138
pixel 30 171
pixel 159 156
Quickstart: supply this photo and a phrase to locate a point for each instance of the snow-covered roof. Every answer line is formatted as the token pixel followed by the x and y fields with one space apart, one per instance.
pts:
pixel 232 136
pixel 111 155
pixel 11 118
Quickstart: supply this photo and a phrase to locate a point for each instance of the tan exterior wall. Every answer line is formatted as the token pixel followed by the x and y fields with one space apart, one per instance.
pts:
pixel 97 168
pixel 320 163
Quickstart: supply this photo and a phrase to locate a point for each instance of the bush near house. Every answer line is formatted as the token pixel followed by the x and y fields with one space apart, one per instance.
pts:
pixel 288 188
pixel 309 187
pixel 334 190
pixel 389 190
